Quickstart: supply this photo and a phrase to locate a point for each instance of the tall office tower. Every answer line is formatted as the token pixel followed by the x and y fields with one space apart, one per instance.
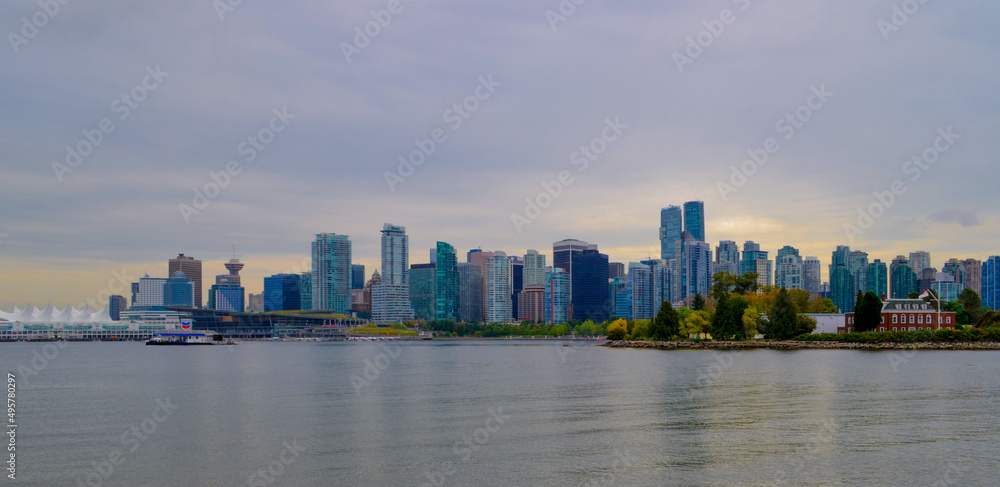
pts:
pixel 255 303
pixel 991 283
pixel 480 258
pixel 116 304
pixel 618 286
pixel 516 283
pixel 694 219
pixel 357 276
pixel 227 296
pixel 790 272
pixel 531 304
pixel 755 260
pixel 282 292
pixel 423 291
pixel 305 291
pixel 919 261
pixel 694 257
pixel 590 286
pixel 391 298
pixel 557 296
pixel 926 279
pixel 812 279
pixel 666 275
pixel 498 285
pixel 534 269
pixel 640 286
pixel 616 269
pixel 671 226
pixel 946 287
pixel 857 264
pixel 191 268
pixel 842 289
pixel 841 256
pixel 903 281
pixel 331 273
pixel 178 291
pixel 562 255
pixel 973 274
pixel 470 292
pixel 878 279
pixel 446 281
pixel 727 258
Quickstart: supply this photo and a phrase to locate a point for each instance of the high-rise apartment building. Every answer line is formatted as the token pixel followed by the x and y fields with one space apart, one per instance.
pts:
pixel 516 283
pixel 423 291
pixel 919 261
pixel 671 227
pixel 666 276
pixel 991 283
pixel 534 269
pixel 391 298
pixel 498 289
pixel 903 281
pixel 357 276
pixel 878 279
pixel 843 290
pixel 331 273
pixel 470 292
pixel 531 304
pixel 727 258
pixel 755 260
pixel 305 291
pixel 857 265
pixel 789 272
pixel 557 296
pixel 178 291
pixel 563 251
pixel 191 268
pixel 812 279
pixel 973 274
pixel 640 287
pixel 446 282
pixel 695 260
pixel 618 295
pixel 694 219
pixel 615 270
pixel 116 304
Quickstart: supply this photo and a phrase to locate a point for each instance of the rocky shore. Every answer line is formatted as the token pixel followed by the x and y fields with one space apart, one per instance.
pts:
pixel 797 345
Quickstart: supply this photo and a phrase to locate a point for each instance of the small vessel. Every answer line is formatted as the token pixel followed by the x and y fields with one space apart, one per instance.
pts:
pixel 206 337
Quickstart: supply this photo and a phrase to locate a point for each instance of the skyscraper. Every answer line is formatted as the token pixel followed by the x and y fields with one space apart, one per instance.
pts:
pixel 789 272
pixel 695 260
pixel 640 287
pixel 516 283
pixel 470 292
pixel 357 276
pixel 973 274
pixel 423 291
pixel 842 289
pixel 621 306
pixel 812 279
pixel 563 251
pixel 305 291
pixel 903 280
pixel 991 283
pixel 446 282
pixel 282 292
pixel 531 303
pixel 498 289
pixel 616 269
pixel 116 304
pixel 557 296
pixel 878 278
pixel 727 258
pixel 534 269
pixel 178 291
pixel 919 261
pixel 694 219
pixel 191 268
pixel 857 265
pixel 391 298
pixel 590 286
pixel 755 260
pixel 227 294
pixel 666 276
pixel 331 273
pixel 671 226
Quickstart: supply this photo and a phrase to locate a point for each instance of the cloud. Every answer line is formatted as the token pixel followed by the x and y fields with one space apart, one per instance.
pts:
pixel 967 217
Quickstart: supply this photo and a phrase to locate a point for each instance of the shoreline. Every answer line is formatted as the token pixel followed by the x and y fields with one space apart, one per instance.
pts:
pixel 797 345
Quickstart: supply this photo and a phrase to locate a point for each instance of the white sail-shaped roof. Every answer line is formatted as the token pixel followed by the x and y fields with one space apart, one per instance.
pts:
pixel 48 315
pixel 63 316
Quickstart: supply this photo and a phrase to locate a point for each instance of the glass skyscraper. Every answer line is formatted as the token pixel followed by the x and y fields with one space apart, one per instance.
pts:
pixel 557 296
pixel 878 278
pixel 391 298
pixel 357 276
pixel 446 282
pixel 498 289
pixel 282 292
pixel 694 219
pixel 470 292
pixel 178 291
pixel 534 269
pixel 590 286
pixel 991 283
pixel 903 279
pixel 423 286
pixel 671 226
pixel 640 287
pixel 331 273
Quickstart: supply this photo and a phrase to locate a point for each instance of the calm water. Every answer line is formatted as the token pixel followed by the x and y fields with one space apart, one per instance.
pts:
pixel 577 415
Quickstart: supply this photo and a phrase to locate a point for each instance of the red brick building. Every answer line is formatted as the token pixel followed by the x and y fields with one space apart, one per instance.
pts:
pixel 906 315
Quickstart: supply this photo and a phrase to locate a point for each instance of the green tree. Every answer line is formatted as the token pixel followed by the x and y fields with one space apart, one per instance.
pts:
pixel 868 312
pixel 751 320
pixel 618 330
pixel 820 305
pixel 747 283
pixel 782 322
pixel 666 325
pixel 696 323
pixel 961 316
pixel 723 284
pixel 699 302
pixel 972 303
pixel 727 323
pixel 640 330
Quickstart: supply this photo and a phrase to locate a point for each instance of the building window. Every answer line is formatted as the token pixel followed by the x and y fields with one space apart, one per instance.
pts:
pixel 895 319
pixel 920 319
pixel 929 320
pixel 949 320
pixel 912 319
pixel 881 328
pixel 882 320
pixel 913 328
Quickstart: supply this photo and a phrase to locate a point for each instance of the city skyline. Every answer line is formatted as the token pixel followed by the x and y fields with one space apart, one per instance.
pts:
pixel 222 153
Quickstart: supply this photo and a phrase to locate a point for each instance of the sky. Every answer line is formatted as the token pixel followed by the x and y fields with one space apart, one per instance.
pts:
pixel 135 131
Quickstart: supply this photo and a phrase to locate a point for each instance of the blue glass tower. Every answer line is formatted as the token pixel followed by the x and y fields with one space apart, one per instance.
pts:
pixel 590 286
pixel 991 283
pixel 694 219
pixel 282 292
pixel 670 231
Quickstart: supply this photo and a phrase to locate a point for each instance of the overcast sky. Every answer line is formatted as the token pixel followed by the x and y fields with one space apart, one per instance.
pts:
pixel 552 82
